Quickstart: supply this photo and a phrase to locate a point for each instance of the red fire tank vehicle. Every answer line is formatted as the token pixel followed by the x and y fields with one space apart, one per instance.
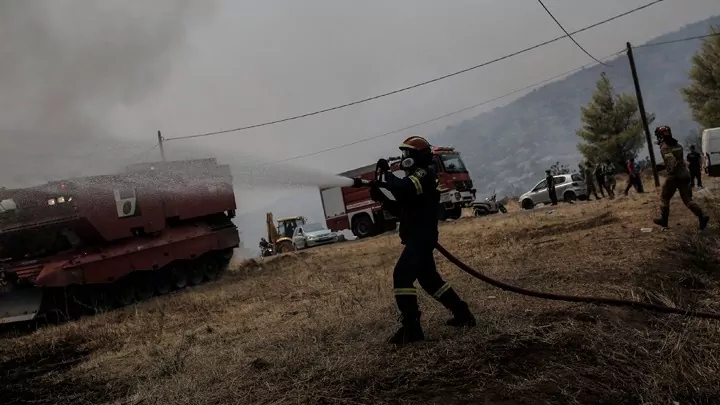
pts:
pixel 352 208
pixel 102 241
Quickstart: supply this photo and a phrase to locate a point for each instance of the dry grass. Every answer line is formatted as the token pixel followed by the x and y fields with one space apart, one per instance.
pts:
pixel 310 327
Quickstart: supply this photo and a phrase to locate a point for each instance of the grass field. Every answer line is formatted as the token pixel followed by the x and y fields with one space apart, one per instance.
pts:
pixel 309 328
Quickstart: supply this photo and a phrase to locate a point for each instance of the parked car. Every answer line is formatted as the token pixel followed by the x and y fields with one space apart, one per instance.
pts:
pixel 489 206
pixel 568 187
pixel 313 234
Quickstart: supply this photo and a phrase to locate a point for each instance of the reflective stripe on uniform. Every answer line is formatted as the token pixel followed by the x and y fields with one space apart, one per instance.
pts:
pixel 405 291
pixel 441 291
pixel 437 185
pixel 416 183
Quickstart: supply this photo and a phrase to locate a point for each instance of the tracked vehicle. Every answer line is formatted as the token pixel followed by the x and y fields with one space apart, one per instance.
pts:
pixel 83 244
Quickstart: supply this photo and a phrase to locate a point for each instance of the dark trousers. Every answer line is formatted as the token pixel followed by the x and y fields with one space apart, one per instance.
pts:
pixel 601 185
pixel 634 181
pixel 553 196
pixel 696 175
pixel 416 262
pixel 681 186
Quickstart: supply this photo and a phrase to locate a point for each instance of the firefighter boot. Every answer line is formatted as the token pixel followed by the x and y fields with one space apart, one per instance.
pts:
pixel 410 331
pixel 664 216
pixel 462 317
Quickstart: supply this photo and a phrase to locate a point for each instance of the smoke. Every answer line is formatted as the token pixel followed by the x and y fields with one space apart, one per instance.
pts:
pixel 64 64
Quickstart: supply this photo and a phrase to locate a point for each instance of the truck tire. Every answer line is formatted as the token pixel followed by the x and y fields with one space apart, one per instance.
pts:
pixel 363 226
pixel 442 213
pixel 455 212
pixel 284 246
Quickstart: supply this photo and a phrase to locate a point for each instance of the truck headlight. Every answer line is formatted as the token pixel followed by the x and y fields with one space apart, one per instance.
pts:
pixel 61 200
pixel 51 201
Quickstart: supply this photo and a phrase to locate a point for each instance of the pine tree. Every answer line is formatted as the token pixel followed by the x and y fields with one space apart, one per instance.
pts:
pixel 703 93
pixel 612 129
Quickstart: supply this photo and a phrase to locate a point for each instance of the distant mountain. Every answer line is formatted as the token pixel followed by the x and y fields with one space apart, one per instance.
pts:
pixel 523 138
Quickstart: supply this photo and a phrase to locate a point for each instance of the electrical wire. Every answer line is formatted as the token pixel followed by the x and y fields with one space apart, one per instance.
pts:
pixel 482 103
pixel 414 86
pixel 674 41
pixel 568 34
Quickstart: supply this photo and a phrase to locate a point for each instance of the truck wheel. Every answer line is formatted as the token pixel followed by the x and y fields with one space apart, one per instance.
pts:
pixel 527 204
pixel 284 247
pixel 442 213
pixel 455 212
pixel 362 226
pixel 569 196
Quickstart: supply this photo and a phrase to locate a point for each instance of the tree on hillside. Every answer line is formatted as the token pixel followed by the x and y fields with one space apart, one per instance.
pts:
pixel 612 129
pixel 703 93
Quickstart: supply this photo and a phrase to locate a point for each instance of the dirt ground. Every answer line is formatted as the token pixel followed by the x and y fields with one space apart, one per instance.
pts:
pixel 309 328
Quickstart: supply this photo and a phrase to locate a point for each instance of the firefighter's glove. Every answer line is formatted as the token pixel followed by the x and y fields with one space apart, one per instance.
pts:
pixel 383 165
pixel 376 194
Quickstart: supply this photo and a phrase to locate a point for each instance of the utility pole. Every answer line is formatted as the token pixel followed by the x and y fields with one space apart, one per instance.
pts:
pixel 643 116
pixel 162 148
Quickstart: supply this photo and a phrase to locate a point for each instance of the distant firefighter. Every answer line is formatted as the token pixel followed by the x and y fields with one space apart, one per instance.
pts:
pixel 678 178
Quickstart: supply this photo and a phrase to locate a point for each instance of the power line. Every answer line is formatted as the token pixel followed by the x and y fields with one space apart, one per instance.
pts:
pixel 674 41
pixel 296 117
pixel 568 34
pixel 439 117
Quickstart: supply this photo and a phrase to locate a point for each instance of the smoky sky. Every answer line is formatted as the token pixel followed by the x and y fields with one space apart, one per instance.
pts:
pixel 65 63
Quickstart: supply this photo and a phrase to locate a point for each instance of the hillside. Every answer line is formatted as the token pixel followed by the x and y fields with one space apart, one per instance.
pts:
pixel 523 138
pixel 308 328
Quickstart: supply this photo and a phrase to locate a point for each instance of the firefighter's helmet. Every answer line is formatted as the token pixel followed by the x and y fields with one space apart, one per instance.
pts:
pixel 416 151
pixel 663 132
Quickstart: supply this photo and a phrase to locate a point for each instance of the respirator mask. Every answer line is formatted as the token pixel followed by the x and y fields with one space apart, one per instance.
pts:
pixel 407 162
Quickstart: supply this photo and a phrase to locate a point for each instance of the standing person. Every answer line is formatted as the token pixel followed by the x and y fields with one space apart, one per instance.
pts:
pixel 678 179
pixel 600 177
pixel 694 160
pixel 638 179
pixel 609 172
pixel 632 176
pixel 588 174
pixel 550 180
pixel 415 202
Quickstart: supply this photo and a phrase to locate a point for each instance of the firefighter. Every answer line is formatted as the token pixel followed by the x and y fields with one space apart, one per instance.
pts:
pixel 600 178
pixel 678 178
pixel 694 160
pixel 587 170
pixel 415 201
pixel 550 180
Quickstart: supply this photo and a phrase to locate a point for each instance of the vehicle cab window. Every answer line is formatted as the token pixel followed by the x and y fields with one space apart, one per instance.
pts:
pixel 540 186
pixel 559 180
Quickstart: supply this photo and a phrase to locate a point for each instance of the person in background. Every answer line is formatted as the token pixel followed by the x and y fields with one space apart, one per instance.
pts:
pixel 694 161
pixel 609 172
pixel 600 178
pixel 587 171
pixel 678 179
pixel 632 175
pixel 638 170
pixel 550 180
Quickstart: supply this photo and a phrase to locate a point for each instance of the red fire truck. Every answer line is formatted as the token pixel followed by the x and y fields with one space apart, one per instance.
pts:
pixel 352 208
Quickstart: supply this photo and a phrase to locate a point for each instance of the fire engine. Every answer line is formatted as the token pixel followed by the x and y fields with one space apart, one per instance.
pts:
pixel 352 208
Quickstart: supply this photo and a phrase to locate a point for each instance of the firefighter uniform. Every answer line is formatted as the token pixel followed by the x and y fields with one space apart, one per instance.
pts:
pixel 678 178
pixel 416 202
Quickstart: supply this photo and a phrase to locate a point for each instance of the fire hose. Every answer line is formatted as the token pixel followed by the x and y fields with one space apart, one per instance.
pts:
pixel 615 302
